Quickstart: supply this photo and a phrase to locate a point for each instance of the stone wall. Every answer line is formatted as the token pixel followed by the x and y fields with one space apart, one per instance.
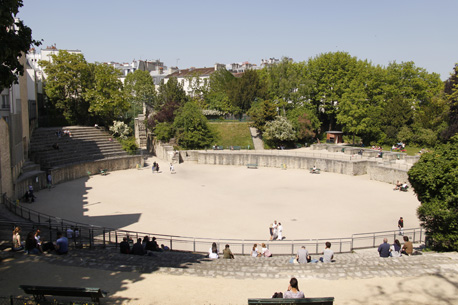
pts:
pixel 76 171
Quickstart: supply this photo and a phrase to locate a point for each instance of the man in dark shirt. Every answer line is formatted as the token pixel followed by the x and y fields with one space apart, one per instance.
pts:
pixel 401 226
pixel 137 249
pixel 384 249
pixel 124 246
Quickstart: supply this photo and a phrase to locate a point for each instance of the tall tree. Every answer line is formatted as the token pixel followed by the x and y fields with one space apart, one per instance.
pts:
pixel 261 112
pixel 191 127
pixel 332 74
pixel 171 91
pixel 246 90
pixel 16 39
pixel 451 94
pixel 106 98
pixel 435 181
pixel 68 77
pixel 139 88
pixel 279 132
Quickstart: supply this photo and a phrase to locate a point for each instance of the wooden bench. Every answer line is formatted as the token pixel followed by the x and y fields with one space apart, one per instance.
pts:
pixel 315 171
pixel 252 166
pixel 39 292
pixel 236 147
pixel 315 301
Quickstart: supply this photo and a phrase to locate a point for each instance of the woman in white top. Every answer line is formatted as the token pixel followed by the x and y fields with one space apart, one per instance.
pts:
pixel 254 251
pixel 280 231
pixel 213 252
pixel 293 290
pixel 395 249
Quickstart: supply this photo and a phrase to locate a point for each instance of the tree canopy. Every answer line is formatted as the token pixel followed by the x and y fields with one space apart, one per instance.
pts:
pixel 435 181
pixel 16 39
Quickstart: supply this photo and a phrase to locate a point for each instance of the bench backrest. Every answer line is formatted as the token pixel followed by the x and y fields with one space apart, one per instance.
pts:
pixel 314 301
pixel 64 291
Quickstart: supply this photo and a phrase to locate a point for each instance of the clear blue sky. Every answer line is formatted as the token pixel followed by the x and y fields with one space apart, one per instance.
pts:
pixel 202 33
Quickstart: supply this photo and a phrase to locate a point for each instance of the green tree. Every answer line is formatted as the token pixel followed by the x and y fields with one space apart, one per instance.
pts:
pixel 16 39
pixel 170 91
pixel 217 95
pixel 191 128
pixel 246 90
pixel 435 181
pixel 304 121
pixel 68 77
pixel 106 98
pixel 332 74
pixel 451 94
pixel 139 88
pixel 261 112
pixel 279 131
pixel 286 84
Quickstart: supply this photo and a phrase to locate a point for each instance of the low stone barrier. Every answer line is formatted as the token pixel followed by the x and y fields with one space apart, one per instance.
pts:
pixel 75 171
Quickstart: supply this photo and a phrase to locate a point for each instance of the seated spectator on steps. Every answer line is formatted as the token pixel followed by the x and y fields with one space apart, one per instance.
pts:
pixel 293 290
pixel 164 248
pixel 395 250
pixel 384 249
pixel 124 246
pixel 17 245
pixel 407 248
pixel 302 256
pixel 227 253
pixel 61 244
pixel 137 248
pixel 328 254
pixel 31 245
pixel 213 252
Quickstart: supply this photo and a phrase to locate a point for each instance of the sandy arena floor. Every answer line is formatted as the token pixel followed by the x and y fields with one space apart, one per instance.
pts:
pixel 231 202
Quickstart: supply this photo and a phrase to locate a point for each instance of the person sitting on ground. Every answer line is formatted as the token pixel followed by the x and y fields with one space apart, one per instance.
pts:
pixel 213 252
pixel 404 187
pixel 328 254
pixel 293 291
pixel 155 246
pixel 227 253
pixel 398 185
pixel 395 249
pixel 37 236
pixel 31 245
pixel 17 245
pixel 265 251
pixel 302 256
pixel 137 248
pixel 384 249
pixel 164 248
pixel 314 169
pixel 61 244
pixel 254 251
pixel 407 248
pixel 124 246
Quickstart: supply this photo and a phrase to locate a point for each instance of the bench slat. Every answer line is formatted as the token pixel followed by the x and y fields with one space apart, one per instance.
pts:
pixel 315 301
pixel 40 291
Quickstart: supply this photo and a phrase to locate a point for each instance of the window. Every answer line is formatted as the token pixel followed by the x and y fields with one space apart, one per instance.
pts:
pixel 5 102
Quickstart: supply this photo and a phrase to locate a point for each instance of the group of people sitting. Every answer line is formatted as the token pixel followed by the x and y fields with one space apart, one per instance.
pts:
pixel 395 250
pixel 35 245
pixel 213 252
pixel 145 247
pixel 264 252
pixel 155 167
pixel 64 132
pixel 303 256
pixel 401 186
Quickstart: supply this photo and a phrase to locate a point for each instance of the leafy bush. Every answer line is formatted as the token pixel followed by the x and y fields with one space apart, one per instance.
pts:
pixel 164 131
pixel 129 145
pixel 120 130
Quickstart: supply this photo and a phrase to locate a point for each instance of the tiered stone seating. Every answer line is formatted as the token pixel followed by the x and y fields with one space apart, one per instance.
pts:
pixel 86 144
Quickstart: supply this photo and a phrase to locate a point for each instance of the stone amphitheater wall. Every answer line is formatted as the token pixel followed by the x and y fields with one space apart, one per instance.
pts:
pixel 72 172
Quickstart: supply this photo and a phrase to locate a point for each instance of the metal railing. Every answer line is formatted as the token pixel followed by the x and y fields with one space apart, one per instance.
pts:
pixel 95 236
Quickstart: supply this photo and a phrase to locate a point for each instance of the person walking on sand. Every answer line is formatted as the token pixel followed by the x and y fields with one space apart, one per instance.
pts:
pixel 172 169
pixel 401 226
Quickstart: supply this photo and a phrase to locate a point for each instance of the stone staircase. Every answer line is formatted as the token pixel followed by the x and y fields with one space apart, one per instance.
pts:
pixel 85 144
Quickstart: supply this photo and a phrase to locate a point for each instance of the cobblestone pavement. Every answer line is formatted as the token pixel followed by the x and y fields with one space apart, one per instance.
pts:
pixel 361 264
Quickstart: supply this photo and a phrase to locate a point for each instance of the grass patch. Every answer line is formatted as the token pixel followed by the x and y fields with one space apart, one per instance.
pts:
pixel 232 134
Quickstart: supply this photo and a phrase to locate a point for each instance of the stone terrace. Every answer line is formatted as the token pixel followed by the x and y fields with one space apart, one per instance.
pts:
pixel 362 264
pixel 85 144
